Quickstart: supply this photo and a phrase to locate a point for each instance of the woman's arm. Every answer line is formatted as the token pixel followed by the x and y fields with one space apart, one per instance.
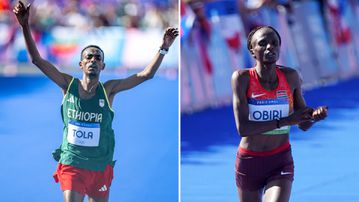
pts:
pixel 299 103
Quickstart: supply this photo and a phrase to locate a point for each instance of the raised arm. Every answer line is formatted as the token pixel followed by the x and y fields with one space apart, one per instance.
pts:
pixel 245 127
pixel 115 86
pixel 22 15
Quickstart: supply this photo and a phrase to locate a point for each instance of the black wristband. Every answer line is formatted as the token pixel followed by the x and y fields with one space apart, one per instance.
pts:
pixel 166 49
pixel 278 126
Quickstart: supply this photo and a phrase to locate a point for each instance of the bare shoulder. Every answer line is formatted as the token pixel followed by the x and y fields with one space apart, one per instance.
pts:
pixel 287 70
pixel 240 80
pixel 67 77
pixel 240 76
pixel 67 80
pixel 107 83
pixel 114 86
pixel 110 83
pixel 292 75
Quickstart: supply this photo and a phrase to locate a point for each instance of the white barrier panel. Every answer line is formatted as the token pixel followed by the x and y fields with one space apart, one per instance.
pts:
pixel 207 63
pixel 355 25
pixel 339 16
pixel 219 53
pixel 196 86
pixel 313 48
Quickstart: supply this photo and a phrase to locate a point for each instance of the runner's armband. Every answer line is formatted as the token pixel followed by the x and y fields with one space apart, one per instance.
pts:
pixel 163 51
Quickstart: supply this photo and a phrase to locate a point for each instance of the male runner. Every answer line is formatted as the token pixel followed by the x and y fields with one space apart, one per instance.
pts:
pixel 86 154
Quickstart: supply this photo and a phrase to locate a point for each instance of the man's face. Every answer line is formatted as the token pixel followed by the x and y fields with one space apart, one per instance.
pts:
pixel 265 46
pixel 92 61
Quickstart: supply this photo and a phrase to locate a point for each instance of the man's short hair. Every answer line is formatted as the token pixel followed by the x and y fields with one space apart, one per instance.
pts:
pixel 93 46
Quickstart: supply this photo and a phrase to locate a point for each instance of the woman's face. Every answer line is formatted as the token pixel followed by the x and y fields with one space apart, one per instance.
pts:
pixel 265 46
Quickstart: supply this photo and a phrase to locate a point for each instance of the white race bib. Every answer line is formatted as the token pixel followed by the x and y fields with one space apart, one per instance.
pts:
pixel 83 134
pixel 266 110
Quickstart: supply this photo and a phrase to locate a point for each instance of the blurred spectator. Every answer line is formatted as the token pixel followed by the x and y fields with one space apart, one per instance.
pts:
pixel 256 13
pixel 89 14
pixel 51 20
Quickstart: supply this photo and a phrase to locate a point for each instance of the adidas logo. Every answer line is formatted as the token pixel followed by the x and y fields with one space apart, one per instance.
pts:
pixel 103 188
pixel 71 99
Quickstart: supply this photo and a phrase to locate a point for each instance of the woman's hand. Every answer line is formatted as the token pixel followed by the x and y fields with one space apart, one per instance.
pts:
pixel 320 113
pixel 299 116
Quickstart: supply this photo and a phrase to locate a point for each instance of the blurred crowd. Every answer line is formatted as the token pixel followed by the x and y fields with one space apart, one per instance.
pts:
pixel 89 14
pixel 58 27
pixel 255 13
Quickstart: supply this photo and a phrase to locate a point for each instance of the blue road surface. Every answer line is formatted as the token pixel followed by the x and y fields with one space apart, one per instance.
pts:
pixel 146 130
pixel 325 157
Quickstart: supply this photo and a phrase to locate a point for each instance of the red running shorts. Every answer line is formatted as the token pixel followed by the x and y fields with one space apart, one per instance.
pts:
pixel 254 172
pixel 83 181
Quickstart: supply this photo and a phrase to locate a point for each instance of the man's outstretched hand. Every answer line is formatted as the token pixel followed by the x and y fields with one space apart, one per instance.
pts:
pixel 169 36
pixel 22 13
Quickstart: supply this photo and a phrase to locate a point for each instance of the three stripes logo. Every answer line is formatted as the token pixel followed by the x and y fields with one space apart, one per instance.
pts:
pixel 71 99
pixel 103 188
